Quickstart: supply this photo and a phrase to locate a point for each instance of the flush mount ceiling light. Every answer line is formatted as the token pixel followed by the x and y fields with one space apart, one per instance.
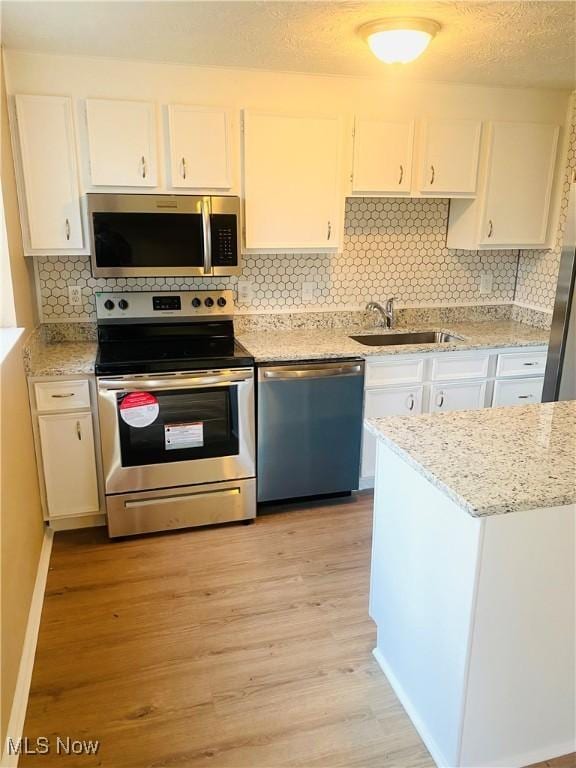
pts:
pixel 398 41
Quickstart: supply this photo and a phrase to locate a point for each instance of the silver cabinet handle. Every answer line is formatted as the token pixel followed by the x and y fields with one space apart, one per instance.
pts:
pixel 410 402
pixel 440 399
pixel 207 237
pixel 524 397
pixel 529 363
pixel 143 166
pixel 432 174
pixel 401 174
pixel 490 227
pixel 329 231
pixel 67 229
pixel 64 394
pixel 78 430
pixel 183 163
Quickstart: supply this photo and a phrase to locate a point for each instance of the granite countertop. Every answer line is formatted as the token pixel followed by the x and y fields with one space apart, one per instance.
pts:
pixel 314 344
pixel 491 461
pixel 56 357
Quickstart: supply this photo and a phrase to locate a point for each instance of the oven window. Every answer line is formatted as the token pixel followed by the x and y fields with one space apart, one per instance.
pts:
pixel 175 425
pixel 148 240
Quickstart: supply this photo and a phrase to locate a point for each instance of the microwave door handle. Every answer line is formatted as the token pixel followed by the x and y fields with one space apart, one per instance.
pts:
pixel 207 237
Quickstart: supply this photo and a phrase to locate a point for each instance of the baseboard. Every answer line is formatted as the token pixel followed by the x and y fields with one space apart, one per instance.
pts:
pixel 532 757
pixel 20 701
pixel 431 745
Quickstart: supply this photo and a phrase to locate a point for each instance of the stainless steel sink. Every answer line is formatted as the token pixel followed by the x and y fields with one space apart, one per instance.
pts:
pixel 396 339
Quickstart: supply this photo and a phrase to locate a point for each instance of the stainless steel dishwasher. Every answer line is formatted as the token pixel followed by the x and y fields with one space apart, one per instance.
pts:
pixel 309 428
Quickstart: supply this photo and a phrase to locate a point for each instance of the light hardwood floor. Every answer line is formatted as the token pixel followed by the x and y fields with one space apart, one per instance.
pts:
pixel 225 647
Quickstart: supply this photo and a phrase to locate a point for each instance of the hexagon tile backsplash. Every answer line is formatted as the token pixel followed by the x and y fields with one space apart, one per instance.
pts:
pixel 392 247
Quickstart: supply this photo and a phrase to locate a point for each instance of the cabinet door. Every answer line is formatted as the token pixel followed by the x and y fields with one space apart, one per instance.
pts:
pixel 46 135
pixel 457 397
pixel 449 157
pixel 391 401
pixel 122 142
pixel 382 156
pixel 68 458
pixel 199 147
pixel 292 181
pixel 521 162
pixel 518 392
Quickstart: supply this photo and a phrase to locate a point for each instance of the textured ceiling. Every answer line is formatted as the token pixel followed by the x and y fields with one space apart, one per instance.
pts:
pixel 529 43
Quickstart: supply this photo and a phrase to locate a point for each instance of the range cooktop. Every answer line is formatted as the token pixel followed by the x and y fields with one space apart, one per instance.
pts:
pixel 164 332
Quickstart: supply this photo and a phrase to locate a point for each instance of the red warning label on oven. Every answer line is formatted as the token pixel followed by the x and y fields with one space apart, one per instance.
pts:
pixel 139 409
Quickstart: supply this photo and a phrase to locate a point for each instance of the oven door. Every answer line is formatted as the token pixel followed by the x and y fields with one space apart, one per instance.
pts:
pixel 168 430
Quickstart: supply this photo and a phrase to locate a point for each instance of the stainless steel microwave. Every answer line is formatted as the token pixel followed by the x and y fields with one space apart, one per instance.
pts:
pixel 163 235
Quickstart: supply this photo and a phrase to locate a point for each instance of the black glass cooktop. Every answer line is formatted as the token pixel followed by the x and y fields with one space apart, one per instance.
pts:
pixel 142 350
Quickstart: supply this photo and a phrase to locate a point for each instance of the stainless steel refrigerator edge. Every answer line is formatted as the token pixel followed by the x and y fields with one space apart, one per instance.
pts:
pixel 560 376
pixel 309 428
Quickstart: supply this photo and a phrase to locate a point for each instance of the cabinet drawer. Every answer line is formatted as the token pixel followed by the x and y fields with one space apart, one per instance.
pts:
pixel 520 392
pixel 394 371
pixel 521 363
pixel 454 367
pixel 457 397
pixel 62 395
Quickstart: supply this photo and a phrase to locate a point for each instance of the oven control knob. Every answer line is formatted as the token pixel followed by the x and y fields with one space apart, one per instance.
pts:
pixel 109 304
pixel 123 304
pixel 196 302
pixel 209 302
pixel 221 301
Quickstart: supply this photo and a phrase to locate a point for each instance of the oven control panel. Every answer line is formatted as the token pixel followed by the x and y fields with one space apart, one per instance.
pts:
pixel 130 305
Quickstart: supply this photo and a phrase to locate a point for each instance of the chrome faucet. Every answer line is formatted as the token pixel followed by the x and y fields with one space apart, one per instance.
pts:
pixel 386 313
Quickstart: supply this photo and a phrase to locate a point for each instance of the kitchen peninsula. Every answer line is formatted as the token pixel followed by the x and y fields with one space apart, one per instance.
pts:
pixel 472 584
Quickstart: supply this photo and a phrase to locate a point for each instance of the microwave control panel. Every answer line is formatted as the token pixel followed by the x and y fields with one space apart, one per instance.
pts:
pixel 224 229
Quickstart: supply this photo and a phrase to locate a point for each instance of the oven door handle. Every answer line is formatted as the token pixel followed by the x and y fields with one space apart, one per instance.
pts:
pixel 206 236
pixel 155 385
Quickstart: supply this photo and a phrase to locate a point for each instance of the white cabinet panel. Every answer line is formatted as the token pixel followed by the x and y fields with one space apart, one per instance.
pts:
pixel 199 147
pixel 521 169
pixel 46 135
pixel 521 363
pixel 518 392
pixel 449 152
pixel 62 395
pixel 382 156
pixel 68 459
pixel 460 366
pixel 292 181
pixel 457 397
pixel 391 401
pixel 122 143
pixel 394 370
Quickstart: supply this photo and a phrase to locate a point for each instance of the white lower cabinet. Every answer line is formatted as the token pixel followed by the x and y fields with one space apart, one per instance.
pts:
pixel 69 463
pixel 389 401
pixel 457 397
pixel 518 391
pixel 449 381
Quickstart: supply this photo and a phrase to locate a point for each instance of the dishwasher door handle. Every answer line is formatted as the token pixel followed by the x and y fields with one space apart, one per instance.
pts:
pixel 353 369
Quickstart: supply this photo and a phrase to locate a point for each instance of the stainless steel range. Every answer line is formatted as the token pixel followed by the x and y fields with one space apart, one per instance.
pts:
pixel 176 410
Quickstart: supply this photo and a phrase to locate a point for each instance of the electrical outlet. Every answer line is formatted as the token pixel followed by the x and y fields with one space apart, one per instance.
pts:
pixel 308 290
pixel 75 295
pixel 245 291
pixel 485 283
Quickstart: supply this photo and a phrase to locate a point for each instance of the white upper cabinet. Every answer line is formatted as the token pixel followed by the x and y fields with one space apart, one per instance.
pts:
pixel 382 162
pixel 448 151
pixel 292 180
pixel 513 203
pixel 46 138
pixel 122 143
pixel 521 160
pixel 199 147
